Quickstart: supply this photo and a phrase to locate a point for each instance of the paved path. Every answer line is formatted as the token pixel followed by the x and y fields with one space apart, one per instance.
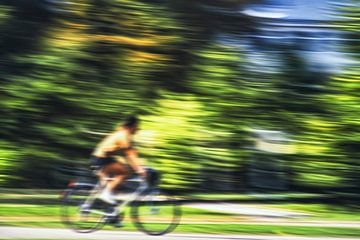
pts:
pixel 263 215
pixel 50 233
pixel 248 210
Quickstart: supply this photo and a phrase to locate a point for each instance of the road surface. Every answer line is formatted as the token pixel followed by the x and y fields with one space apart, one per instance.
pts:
pixel 49 233
pixel 254 210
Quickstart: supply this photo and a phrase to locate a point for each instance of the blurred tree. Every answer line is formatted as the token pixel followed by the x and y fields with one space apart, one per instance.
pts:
pixel 176 131
pixel 217 79
pixel 70 65
pixel 344 102
pixel 304 114
pixel 22 32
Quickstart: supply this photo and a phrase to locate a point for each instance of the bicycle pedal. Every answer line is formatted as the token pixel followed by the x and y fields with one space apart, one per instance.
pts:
pixel 85 209
pixel 114 220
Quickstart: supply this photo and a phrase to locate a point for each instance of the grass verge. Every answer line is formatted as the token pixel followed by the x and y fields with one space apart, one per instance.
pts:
pixel 41 209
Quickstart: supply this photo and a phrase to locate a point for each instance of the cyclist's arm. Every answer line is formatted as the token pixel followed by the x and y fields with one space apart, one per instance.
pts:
pixel 134 161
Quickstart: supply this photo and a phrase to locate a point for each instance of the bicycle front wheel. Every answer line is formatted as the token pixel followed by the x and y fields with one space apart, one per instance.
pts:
pixel 78 214
pixel 156 213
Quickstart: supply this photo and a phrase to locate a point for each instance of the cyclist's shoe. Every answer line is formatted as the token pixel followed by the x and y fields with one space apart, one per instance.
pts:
pixel 107 197
pixel 115 221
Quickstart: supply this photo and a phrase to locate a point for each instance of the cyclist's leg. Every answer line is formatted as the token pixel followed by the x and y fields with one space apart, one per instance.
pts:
pixel 119 171
pixel 97 165
pixel 101 176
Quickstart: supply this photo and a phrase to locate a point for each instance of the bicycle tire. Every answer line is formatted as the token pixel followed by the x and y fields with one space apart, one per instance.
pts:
pixel 157 203
pixel 73 199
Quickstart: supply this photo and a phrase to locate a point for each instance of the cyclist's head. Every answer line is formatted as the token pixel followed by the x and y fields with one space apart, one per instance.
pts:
pixel 132 123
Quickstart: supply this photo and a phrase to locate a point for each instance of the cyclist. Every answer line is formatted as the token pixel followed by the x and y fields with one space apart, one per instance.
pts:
pixel 106 160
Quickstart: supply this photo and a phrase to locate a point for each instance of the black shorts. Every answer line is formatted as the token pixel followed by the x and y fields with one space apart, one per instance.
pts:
pixel 98 162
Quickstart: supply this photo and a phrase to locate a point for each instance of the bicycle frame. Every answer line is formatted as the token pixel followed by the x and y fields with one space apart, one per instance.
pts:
pixel 82 212
pixel 138 191
pixel 143 185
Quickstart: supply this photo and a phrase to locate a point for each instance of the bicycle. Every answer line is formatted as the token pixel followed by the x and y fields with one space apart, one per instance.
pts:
pixel 152 211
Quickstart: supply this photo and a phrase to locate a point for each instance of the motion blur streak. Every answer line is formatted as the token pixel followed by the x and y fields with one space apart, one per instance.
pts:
pixel 234 95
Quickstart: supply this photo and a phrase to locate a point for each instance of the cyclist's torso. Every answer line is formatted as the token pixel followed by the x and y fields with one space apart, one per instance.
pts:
pixel 114 144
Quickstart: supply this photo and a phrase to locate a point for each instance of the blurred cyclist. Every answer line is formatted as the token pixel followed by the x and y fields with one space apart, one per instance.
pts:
pixel 115 155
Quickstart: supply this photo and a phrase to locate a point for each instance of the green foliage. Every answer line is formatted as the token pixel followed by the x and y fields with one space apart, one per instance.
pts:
pixel 8 162
pixel 4 13
pixel 88 64
pixel 176 130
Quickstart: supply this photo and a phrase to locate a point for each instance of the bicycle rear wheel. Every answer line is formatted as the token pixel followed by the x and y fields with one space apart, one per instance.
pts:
pixel 80 216
pixel 156 213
